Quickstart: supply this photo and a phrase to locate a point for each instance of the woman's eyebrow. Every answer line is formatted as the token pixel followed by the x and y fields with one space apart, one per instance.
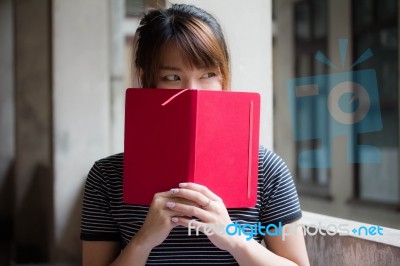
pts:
pixel 166 67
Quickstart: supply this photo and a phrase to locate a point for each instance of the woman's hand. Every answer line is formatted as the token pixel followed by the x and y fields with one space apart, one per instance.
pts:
pixel 158 223
pixel 210 209
pixel 155 229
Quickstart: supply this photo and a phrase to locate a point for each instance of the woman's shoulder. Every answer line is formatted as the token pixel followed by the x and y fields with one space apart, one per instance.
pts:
pixel 113 163
pixel 117 158
pixel 266 155
pixel 269 161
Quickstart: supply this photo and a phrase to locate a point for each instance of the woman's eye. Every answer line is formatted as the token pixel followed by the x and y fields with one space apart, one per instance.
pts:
pixel 209 75
pixel 172 77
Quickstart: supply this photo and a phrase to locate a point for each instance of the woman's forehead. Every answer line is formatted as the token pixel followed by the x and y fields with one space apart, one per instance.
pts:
pixel 172 54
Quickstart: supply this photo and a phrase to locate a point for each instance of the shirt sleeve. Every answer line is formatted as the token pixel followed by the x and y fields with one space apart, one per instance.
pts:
pixel 97 223
pixel 280 200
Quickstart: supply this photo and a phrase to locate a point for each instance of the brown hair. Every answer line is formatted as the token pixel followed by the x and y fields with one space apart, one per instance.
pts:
pixel 195 32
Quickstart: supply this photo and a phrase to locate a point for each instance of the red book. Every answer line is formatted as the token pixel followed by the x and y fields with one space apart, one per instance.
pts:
pixel 201 136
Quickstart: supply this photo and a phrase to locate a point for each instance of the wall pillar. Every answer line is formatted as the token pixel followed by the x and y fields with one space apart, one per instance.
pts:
pixel 342 172
pixel 284 69
pixel 7 129
pixel 81 110
pixel 33 132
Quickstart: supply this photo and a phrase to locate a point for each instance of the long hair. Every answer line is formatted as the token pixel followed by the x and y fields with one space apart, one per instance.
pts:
pixel 196 33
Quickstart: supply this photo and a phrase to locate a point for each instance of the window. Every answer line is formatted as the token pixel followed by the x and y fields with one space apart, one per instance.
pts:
pixel 310 32
pixel 375 26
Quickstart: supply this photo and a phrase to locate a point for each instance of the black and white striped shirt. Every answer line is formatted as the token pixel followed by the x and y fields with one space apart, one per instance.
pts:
pixel 105 217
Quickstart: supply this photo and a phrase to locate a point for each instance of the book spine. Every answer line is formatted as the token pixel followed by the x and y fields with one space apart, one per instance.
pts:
pixel 249 169
pixel 192 133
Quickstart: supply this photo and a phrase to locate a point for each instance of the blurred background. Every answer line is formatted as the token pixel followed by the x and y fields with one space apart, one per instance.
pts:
pixel 64 68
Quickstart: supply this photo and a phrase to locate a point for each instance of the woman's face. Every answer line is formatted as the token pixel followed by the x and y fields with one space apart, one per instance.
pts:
pixel 176 73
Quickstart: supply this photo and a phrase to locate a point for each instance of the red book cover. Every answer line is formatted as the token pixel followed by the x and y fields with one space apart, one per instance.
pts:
pixel 202 136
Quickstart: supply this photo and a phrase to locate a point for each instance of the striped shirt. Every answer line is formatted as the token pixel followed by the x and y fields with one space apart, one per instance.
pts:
pixel 105 217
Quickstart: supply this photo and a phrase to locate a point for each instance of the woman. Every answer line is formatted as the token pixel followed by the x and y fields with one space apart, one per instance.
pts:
pixel 183 47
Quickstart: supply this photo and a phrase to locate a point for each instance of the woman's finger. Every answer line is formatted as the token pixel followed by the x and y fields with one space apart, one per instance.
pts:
pixel 202 189
pixel 190 211
pixel 191 195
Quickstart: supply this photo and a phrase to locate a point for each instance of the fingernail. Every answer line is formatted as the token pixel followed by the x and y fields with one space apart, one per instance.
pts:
pixel 170 204
pixel 182 184
pixel 174 190
pixel 174 219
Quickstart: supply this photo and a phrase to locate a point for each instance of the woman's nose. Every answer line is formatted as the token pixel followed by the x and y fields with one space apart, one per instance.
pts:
pixel 191 84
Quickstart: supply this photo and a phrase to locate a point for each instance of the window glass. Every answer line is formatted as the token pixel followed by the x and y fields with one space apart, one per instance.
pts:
pixel 320 27
pixel 310 23
pixel 379 181
pixel 302 20
pixel 363 11
pixel 387 9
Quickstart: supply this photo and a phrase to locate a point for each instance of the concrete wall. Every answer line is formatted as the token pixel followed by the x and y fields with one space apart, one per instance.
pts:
pixel 342 174
pixel 81 111
pixel 61 122
pixel 33 134
pixel 345 250
pixel 343 246
pixel 121 30
pixel 248 32
pixel 7 128
pixel 7 114
pixel 283 69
